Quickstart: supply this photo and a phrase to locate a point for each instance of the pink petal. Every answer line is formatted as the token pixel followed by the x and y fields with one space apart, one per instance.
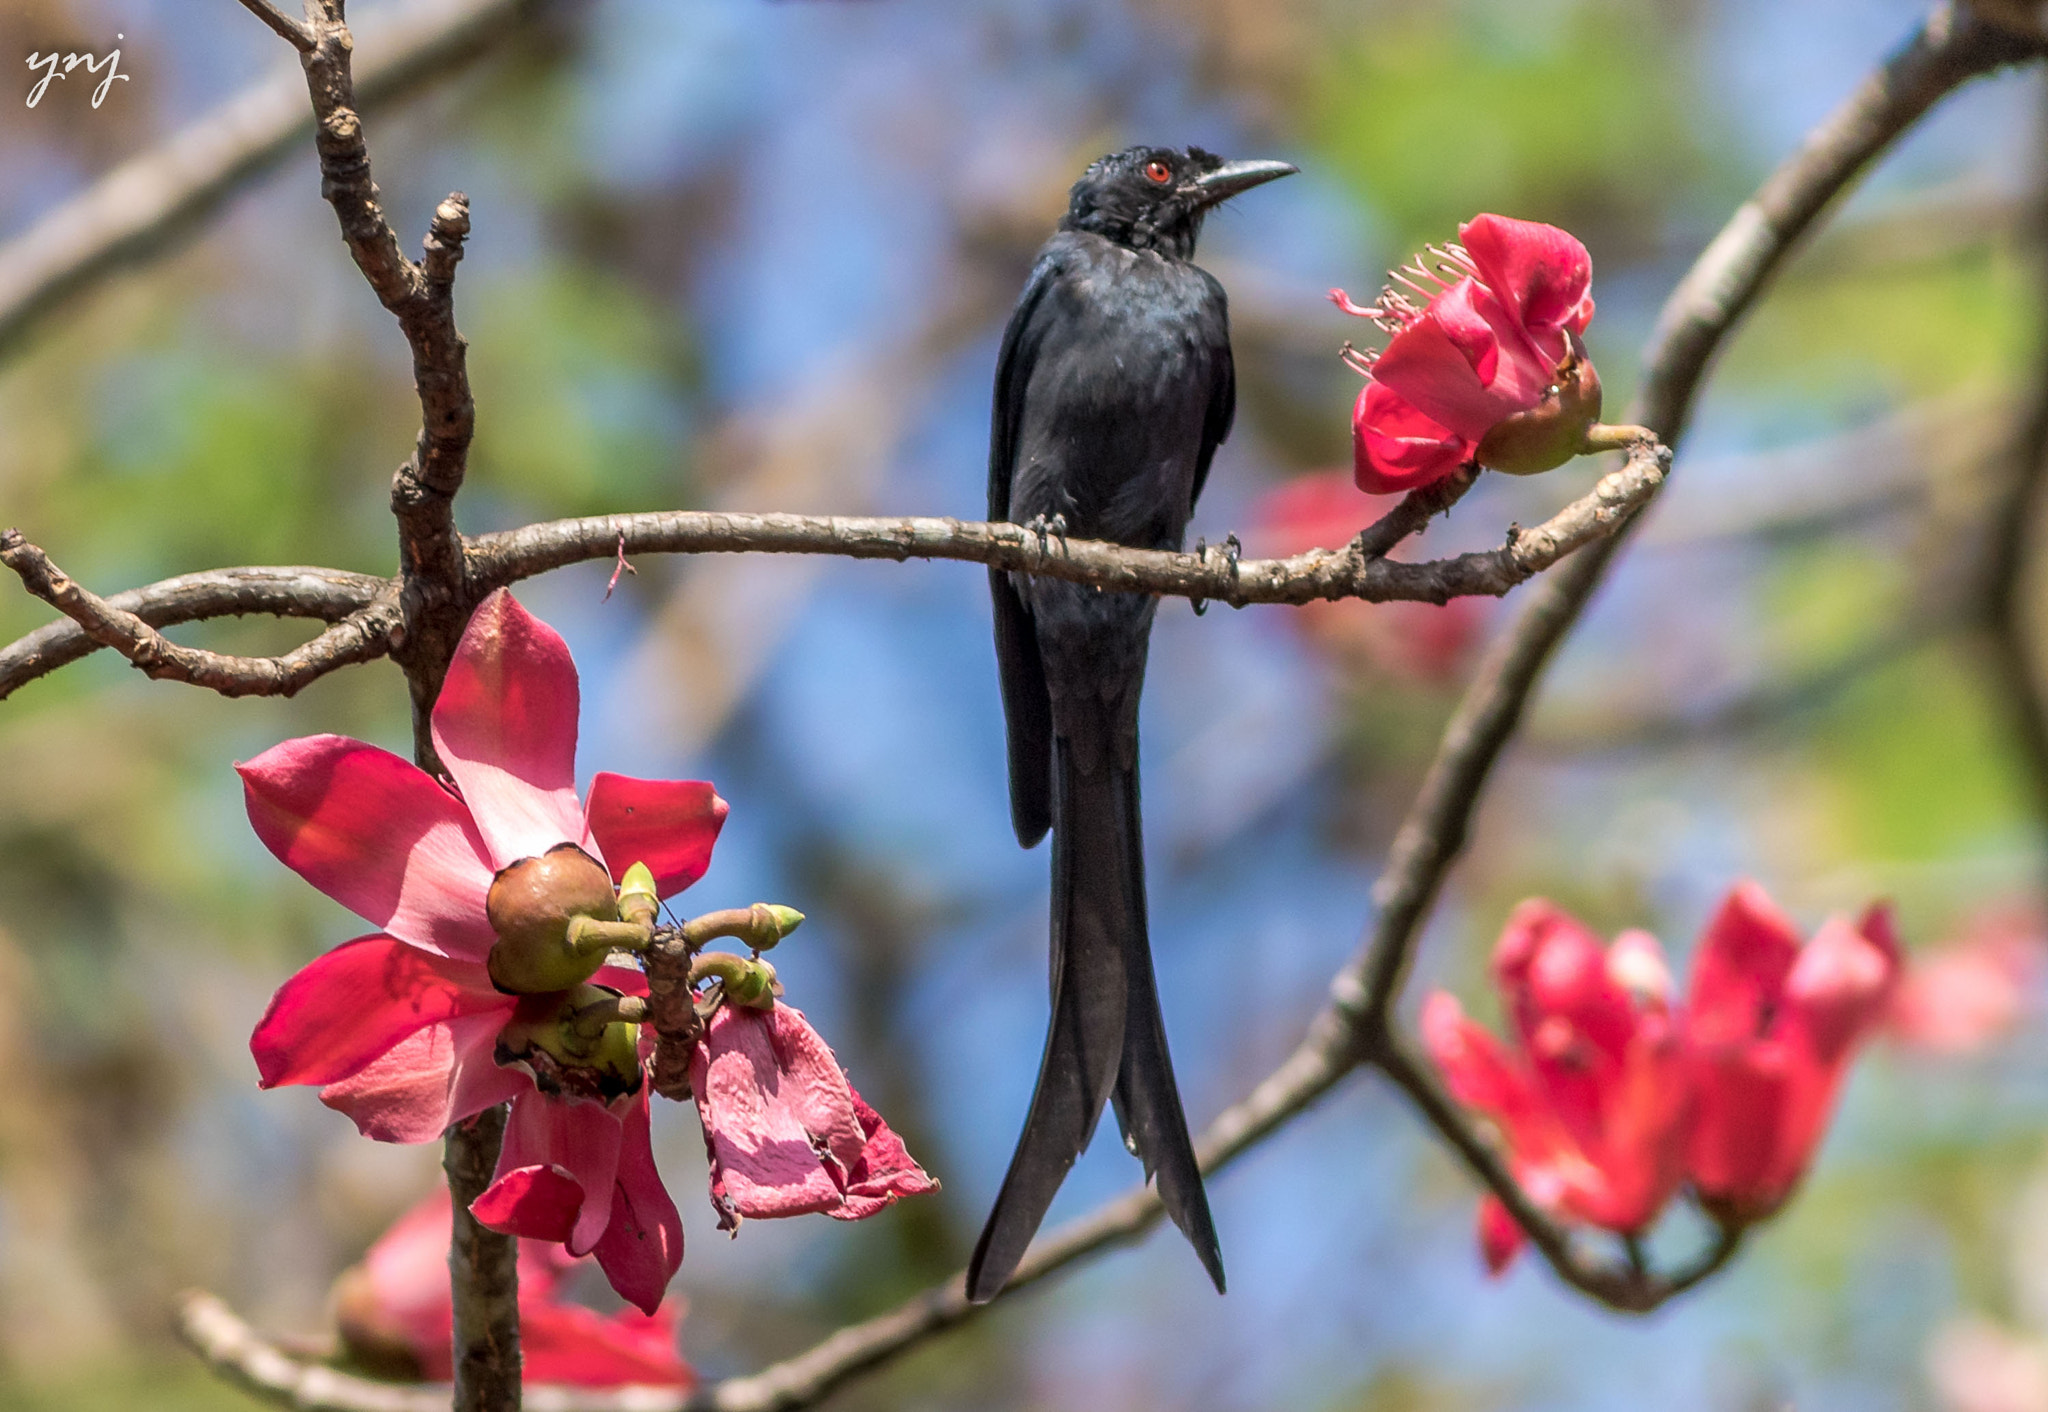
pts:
pixel 1739 967
pixel 1394 447
pixel 534 1203
pixel 352 1005
pixel 642 1248
pixel 579 1138
pixel 885 1171
pixel 1425 368
pixel 1542 274
pixel 1321 510
pixel 408 1269
pixel 1501 1237
pixel 569 1345
pixel 505 725
pixel 434 1077
pixel 1482 1075
pixel 1739 1151
pixel 1457 312
pixel 669 825
pixel 771 1099
pixel 1517 364
pixel 1839 986
pixel 378 836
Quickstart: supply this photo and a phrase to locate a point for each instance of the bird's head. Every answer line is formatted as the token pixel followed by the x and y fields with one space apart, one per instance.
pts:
pixel 1154 198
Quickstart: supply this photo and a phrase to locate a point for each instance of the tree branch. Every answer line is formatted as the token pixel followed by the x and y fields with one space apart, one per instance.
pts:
pixel 328 595
pixel 498 559
pixel 238 1353
pixel 434 602
pixel 495 560
pixel 361 636
pixel 141 205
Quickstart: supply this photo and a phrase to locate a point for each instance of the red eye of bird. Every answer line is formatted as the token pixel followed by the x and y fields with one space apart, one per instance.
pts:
pixel 1158 171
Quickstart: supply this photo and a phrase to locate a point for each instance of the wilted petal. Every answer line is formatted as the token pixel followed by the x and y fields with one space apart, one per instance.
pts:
pixel 670 825
pixel 769 1103
pixel 1395 447
pixel 505 725
pixel 352 1005
pixel 434 1077
pixel 642 1248
pixel 884 1171
pixel 378 836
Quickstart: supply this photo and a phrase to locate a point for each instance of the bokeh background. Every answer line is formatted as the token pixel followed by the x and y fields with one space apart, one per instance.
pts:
pixel 735 253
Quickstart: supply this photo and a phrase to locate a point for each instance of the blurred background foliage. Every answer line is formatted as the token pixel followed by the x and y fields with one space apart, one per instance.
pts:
pixel 749 254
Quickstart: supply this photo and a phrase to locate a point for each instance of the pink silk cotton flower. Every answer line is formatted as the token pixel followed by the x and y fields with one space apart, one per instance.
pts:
pixel 1592 1100
pixel 785 1132
pixel 1488 368
pixel 1770 1027
pixel 400 1028
pixel 396 1317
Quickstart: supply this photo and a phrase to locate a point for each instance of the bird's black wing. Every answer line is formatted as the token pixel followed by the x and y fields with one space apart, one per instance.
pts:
pixel 1222 391
pixel 1027 707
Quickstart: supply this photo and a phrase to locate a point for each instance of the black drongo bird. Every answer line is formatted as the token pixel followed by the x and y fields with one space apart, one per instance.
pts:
pixel 1113 389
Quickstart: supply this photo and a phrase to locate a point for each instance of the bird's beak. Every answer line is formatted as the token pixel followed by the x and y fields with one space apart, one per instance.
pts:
pixel 1233 177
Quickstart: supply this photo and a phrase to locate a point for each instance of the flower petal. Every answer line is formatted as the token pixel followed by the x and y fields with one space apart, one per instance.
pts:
pixel 534 1203
pixel 571 1346
pixel 1542 274
pixel 1739 967
pixel 1481 1074
pixel 581 1140
pixel 670 825
pixel 434 1077
pixel 1429 371
pixel 352 1005
pixel 505 725
pixel 1394 447
pixel 377 835
pixel 885 1171
pixel 642 1248
pixel 770 1102
pixel 1839 987
pixel 1501 1237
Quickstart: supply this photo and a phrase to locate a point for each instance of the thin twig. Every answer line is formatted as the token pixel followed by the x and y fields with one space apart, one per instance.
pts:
pixel 284 26
pixel 139 207
pixel 362 636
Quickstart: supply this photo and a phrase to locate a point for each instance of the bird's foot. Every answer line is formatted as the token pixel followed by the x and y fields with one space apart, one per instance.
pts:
pixel 1200 605
pixel 1038 526
pixel 1058 526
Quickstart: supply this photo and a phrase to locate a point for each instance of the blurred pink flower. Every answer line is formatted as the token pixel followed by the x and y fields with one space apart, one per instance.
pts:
pixel 1976 1366
pixel 1424 641
pixel 395 1315
pixel 1592 1101
pixel 1488 368
pixel 400 1028
pixel 1973 990
pixel 785 1132
pixel 1770 1027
